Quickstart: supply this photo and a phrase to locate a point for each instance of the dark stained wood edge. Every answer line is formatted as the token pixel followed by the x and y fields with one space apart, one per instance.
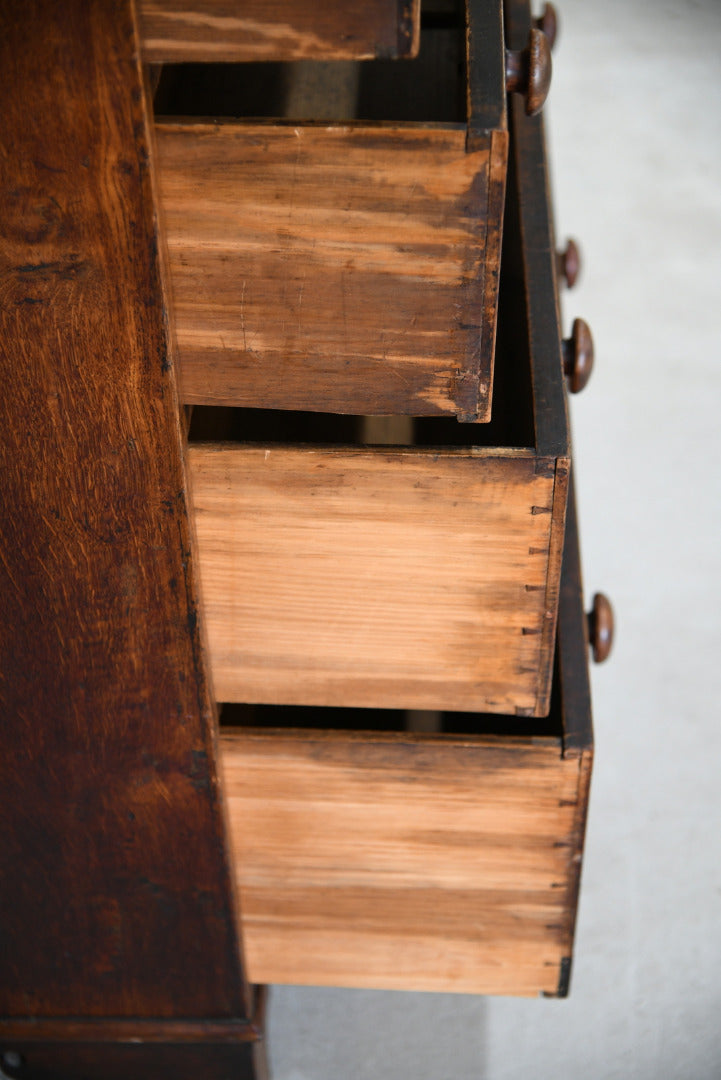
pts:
pixel 539 261
pixel 572 672
pixel 573 657
pixel 108 721
pixel 134 1029
pixel 253 998
pixel 122 1030
pixel 152 1049
pixel 409 28
pixel 485 71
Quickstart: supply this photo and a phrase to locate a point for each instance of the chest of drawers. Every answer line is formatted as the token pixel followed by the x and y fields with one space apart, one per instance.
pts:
pixel 365 852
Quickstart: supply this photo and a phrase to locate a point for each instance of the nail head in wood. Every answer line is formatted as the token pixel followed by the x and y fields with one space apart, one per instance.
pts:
pixel 600 628
pixel 547 23
pixel 568 263
pixel 578 356
pixel 528 71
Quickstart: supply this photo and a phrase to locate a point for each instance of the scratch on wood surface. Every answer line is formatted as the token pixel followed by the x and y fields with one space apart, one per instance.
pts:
pixel 226 25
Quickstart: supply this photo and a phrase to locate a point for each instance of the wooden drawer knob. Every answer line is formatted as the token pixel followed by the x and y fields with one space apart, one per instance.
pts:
pixel 578 356
pixel 600 628
pixel 568 263
pixel 528 71
pixel 547 23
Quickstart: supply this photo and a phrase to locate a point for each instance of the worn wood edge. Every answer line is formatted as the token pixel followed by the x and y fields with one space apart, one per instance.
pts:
pixel 200 643
pixel 122 1030
pixel 409 29
pixel 228 45
pixel 174 123
pixel 553 585
pixel 230 737
pixel 198 451
pixel 486 71
pixel 495 209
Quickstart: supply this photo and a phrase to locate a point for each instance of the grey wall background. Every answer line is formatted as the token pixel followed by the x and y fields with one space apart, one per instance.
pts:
pixel 634 123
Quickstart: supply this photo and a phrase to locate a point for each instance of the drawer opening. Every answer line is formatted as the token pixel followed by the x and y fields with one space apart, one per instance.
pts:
pixel 422 722
pixel 429 89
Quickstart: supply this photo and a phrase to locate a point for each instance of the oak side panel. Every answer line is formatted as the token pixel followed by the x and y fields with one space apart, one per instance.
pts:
pixel 240 30
pixel 333 268
pixel 400 579
pixel 117 898
pixel 404 862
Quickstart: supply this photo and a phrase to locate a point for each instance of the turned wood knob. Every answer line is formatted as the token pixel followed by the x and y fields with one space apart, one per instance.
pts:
pixel 578 356
pixel 600 628
pixel 568 263
pixel 547 23
pixel 528 71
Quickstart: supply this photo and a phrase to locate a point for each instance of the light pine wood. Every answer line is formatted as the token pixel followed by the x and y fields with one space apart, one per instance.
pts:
pixel 406 862
pixel 379 578
pixel 242 30
pixel 333 268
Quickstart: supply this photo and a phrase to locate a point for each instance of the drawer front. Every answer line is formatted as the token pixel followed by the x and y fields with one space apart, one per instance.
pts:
pixel 417 862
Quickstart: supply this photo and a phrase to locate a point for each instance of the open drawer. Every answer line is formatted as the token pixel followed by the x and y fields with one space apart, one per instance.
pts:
pixel 348 264
pixel 369 856
pixel 248 30
pixel 426 576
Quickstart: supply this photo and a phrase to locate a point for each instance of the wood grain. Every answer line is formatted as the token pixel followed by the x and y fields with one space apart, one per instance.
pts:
pixel 242 30
pixel 405 862
pixel 117 898
pixel 171 1061
pixel 377 578
pixel 419 862
pixel 335 268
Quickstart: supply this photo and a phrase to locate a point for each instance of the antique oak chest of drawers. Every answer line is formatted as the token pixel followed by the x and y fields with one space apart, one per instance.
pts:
pixel 300 695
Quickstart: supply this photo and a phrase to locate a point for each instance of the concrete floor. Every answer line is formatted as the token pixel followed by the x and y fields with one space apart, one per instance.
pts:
pixel 634 121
